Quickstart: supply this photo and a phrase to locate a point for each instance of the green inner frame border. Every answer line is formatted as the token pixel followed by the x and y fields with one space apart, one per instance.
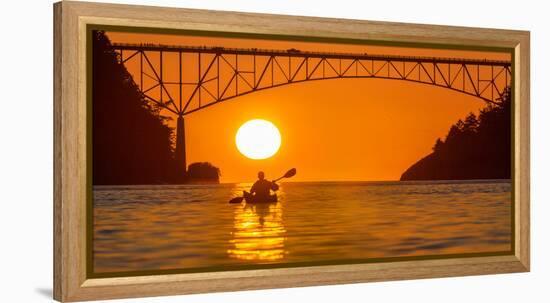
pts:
pixel 90 274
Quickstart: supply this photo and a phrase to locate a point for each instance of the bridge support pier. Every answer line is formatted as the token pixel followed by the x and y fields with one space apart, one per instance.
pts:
pixel 181 160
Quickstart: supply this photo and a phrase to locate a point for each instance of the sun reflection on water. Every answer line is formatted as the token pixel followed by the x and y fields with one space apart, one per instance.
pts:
pixel 259 232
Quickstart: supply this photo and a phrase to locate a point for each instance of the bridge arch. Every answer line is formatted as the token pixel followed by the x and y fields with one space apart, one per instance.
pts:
pixel 218 76
pixel 472 94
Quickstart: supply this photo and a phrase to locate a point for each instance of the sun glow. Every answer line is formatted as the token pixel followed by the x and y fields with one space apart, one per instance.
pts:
pixel 258 139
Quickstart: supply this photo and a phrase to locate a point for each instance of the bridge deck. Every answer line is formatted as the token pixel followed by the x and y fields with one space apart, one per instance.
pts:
pixel 302 54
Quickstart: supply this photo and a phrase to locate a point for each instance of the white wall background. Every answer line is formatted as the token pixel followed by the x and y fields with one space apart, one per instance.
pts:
pixel 26 150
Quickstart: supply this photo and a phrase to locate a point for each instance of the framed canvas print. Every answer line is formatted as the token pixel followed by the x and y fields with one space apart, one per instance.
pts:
pixel 200 151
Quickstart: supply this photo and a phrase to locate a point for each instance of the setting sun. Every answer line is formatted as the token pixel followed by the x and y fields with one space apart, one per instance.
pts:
pixel 258 139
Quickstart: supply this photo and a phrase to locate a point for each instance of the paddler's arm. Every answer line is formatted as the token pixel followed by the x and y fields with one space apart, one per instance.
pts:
pixel 253 188
pixel 274 186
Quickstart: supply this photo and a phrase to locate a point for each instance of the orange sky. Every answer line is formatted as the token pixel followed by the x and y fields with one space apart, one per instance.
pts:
pixel 332 130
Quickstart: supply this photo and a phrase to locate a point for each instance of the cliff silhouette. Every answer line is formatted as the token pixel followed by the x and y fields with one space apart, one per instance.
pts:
pixel 478 147
pixel 132 142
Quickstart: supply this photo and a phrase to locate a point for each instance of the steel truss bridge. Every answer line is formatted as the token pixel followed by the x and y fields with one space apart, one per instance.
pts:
pixel 186 79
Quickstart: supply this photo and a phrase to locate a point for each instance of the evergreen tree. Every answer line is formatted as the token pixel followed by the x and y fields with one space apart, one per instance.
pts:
pixel 478 147
pixel 132 144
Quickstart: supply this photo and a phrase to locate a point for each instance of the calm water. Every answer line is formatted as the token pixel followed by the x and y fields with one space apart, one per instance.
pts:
pixel 189 226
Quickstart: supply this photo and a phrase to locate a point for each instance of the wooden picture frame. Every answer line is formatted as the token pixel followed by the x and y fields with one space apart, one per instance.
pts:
pixel 71 171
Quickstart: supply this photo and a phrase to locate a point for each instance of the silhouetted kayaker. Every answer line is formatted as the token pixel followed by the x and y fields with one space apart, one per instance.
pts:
pixel 261 188
pixel 260 191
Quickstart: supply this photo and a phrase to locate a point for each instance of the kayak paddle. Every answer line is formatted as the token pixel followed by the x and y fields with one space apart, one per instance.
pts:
pixel 236 200
pixel 288 174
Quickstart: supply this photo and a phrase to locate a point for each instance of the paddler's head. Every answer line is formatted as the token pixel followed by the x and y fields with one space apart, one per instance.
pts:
pixel 261 175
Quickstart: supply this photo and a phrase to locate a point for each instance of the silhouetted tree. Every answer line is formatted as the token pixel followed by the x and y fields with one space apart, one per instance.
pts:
pixel 132 144
pixel 471 123
pixel 203 172
pixel 477 148
pixel 438 144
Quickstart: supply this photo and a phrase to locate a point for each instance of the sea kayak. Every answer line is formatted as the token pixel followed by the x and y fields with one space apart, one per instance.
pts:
pixel 249 198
